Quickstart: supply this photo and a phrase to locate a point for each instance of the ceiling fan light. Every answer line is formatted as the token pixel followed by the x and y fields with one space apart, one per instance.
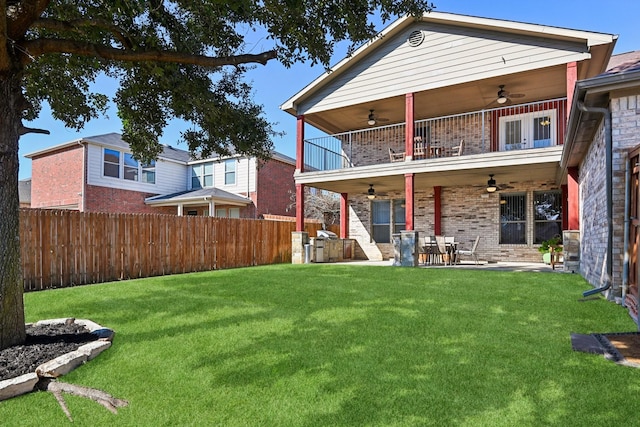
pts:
pixel 371 193
pixel 501 99
pixel 371 121
pixel 491 185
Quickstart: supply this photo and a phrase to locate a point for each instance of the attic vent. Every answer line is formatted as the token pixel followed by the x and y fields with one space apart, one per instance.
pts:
pixel 415 38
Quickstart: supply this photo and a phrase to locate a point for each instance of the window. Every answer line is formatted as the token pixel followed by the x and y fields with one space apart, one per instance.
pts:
pixel 232 213
pixel 149 172
pixel 529 130
pixel 230 172
pixel 513 219
pixel 202 175
pixel 398 216
pixel 130 167
pixel 111 163
pixel 116 163
pixel 547 214
pixel 382 220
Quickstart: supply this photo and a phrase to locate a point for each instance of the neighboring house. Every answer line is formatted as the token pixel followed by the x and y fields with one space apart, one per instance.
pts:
pixel 602 152
pixel 24 192
pixel 99 174
pixel 397 111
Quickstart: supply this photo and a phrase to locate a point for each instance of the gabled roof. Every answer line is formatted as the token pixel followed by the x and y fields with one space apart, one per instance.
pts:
pixel 623 75
pixel 588 39
pixel 201 196
pixel 113 140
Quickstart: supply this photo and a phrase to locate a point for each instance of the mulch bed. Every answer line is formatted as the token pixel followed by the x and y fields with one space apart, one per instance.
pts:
pixel 627 345
pixel 44 343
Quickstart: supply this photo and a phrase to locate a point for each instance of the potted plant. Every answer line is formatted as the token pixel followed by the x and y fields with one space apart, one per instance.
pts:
pixel 547 247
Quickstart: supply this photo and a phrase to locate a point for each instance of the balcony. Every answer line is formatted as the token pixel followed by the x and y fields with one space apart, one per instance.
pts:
pixel 519 127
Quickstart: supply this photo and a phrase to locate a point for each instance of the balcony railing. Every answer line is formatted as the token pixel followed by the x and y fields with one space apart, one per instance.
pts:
pixel 519 127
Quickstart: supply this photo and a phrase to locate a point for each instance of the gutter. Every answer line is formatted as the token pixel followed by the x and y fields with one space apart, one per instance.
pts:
pixel 608 138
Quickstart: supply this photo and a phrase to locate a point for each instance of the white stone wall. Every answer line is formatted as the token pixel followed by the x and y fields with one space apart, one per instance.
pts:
pixel 466 213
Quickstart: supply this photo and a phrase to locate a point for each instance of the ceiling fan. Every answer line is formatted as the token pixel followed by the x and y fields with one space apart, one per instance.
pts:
pixel 504 96
pixel 373 118
pixel 372 194
pixel 492 186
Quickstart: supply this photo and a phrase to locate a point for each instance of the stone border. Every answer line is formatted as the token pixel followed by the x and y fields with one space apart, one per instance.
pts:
pixel 60 365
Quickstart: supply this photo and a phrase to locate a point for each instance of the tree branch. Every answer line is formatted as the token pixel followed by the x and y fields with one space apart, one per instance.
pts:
pixel 39 47
pixel 25 14
pixel 25 130
pixel 76 26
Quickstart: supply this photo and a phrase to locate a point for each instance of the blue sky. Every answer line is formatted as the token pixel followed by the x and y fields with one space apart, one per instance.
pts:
pixel 273 84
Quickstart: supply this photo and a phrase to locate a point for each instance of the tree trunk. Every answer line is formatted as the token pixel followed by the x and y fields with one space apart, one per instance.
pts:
pixel 12 328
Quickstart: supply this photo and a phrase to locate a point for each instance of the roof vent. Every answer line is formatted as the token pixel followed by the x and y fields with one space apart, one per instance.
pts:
pixel 415 38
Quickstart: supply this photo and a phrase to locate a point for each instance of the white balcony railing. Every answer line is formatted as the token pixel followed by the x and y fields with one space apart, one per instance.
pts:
pixel 519 127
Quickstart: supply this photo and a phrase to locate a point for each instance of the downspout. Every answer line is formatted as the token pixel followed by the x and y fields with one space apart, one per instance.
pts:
pixel 84 174
pixel 627 219
pixel 608 139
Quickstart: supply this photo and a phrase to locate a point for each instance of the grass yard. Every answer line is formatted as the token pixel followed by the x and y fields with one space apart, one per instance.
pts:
pixel 336 345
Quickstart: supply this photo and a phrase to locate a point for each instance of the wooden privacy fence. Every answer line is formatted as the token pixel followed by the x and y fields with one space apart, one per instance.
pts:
pixel 66 248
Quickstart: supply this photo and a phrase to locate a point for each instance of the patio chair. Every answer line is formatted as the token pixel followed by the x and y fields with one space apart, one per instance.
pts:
pixel 396 157
pixel 458 149
pixel 441 247
pixel 466 252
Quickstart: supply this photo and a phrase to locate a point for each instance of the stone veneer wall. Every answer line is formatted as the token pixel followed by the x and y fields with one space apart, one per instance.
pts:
pixel 466 213
pixel 626 135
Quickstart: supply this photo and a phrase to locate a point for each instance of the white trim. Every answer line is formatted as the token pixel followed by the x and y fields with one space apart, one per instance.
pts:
pixel 527 128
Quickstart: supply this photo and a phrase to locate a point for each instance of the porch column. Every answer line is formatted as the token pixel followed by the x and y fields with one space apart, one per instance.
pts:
pixel 572 78
pixel 212 208
pixel 437 210
pixel 299 207
pixel 408 201
pixel 299 169
pixel 344 215
pixel 180 209
pixel 409 118
pixel 573 199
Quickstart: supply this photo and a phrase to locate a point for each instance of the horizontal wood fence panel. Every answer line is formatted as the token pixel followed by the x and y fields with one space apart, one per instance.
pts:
pixel 61 248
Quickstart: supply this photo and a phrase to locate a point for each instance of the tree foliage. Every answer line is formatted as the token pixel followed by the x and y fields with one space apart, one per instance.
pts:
pixel 172 58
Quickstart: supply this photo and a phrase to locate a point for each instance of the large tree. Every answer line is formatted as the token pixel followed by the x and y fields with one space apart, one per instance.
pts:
pixel 172 58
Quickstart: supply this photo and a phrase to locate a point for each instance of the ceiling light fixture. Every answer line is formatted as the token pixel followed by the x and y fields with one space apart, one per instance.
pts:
pixel 491 184
pixel 502 95
pixel 371 193
pixel 372 118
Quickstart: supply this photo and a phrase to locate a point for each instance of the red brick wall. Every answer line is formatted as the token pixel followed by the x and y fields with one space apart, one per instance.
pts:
pixel 56 178
pixel 105 199
pixel 275 186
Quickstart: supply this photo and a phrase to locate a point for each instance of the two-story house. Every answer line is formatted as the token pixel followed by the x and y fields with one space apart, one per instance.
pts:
pixel 100 174
pixel 449 125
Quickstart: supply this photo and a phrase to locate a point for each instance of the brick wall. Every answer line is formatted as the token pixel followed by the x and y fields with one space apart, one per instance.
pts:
pixel 275 186
pixel 466 213
pixel 626 135
pixel 56 178
pixel 114 200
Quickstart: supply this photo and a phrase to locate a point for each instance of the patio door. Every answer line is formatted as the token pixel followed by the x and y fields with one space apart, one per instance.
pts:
pixel 528 130
pixel 634 236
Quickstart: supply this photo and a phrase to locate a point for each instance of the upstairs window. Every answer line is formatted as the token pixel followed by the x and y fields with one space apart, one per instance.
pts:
pixel 130 167
pixel 202 175
pixel 123 165
pixel 111 163
pixel 230 172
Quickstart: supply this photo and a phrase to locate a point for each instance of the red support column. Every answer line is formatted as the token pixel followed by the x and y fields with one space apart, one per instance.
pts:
pixel 437 210
pixel 573 199
pixel 408 201
pixel 300 168
pixel 409 125
pixel 300 143
pixel 572 78
pixel 344 215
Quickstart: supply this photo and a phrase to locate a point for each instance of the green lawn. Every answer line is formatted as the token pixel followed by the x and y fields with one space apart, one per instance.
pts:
pixel 335 345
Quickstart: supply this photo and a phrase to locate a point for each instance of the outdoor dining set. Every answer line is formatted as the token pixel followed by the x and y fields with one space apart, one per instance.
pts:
pixel 444 250
pixel 425 149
